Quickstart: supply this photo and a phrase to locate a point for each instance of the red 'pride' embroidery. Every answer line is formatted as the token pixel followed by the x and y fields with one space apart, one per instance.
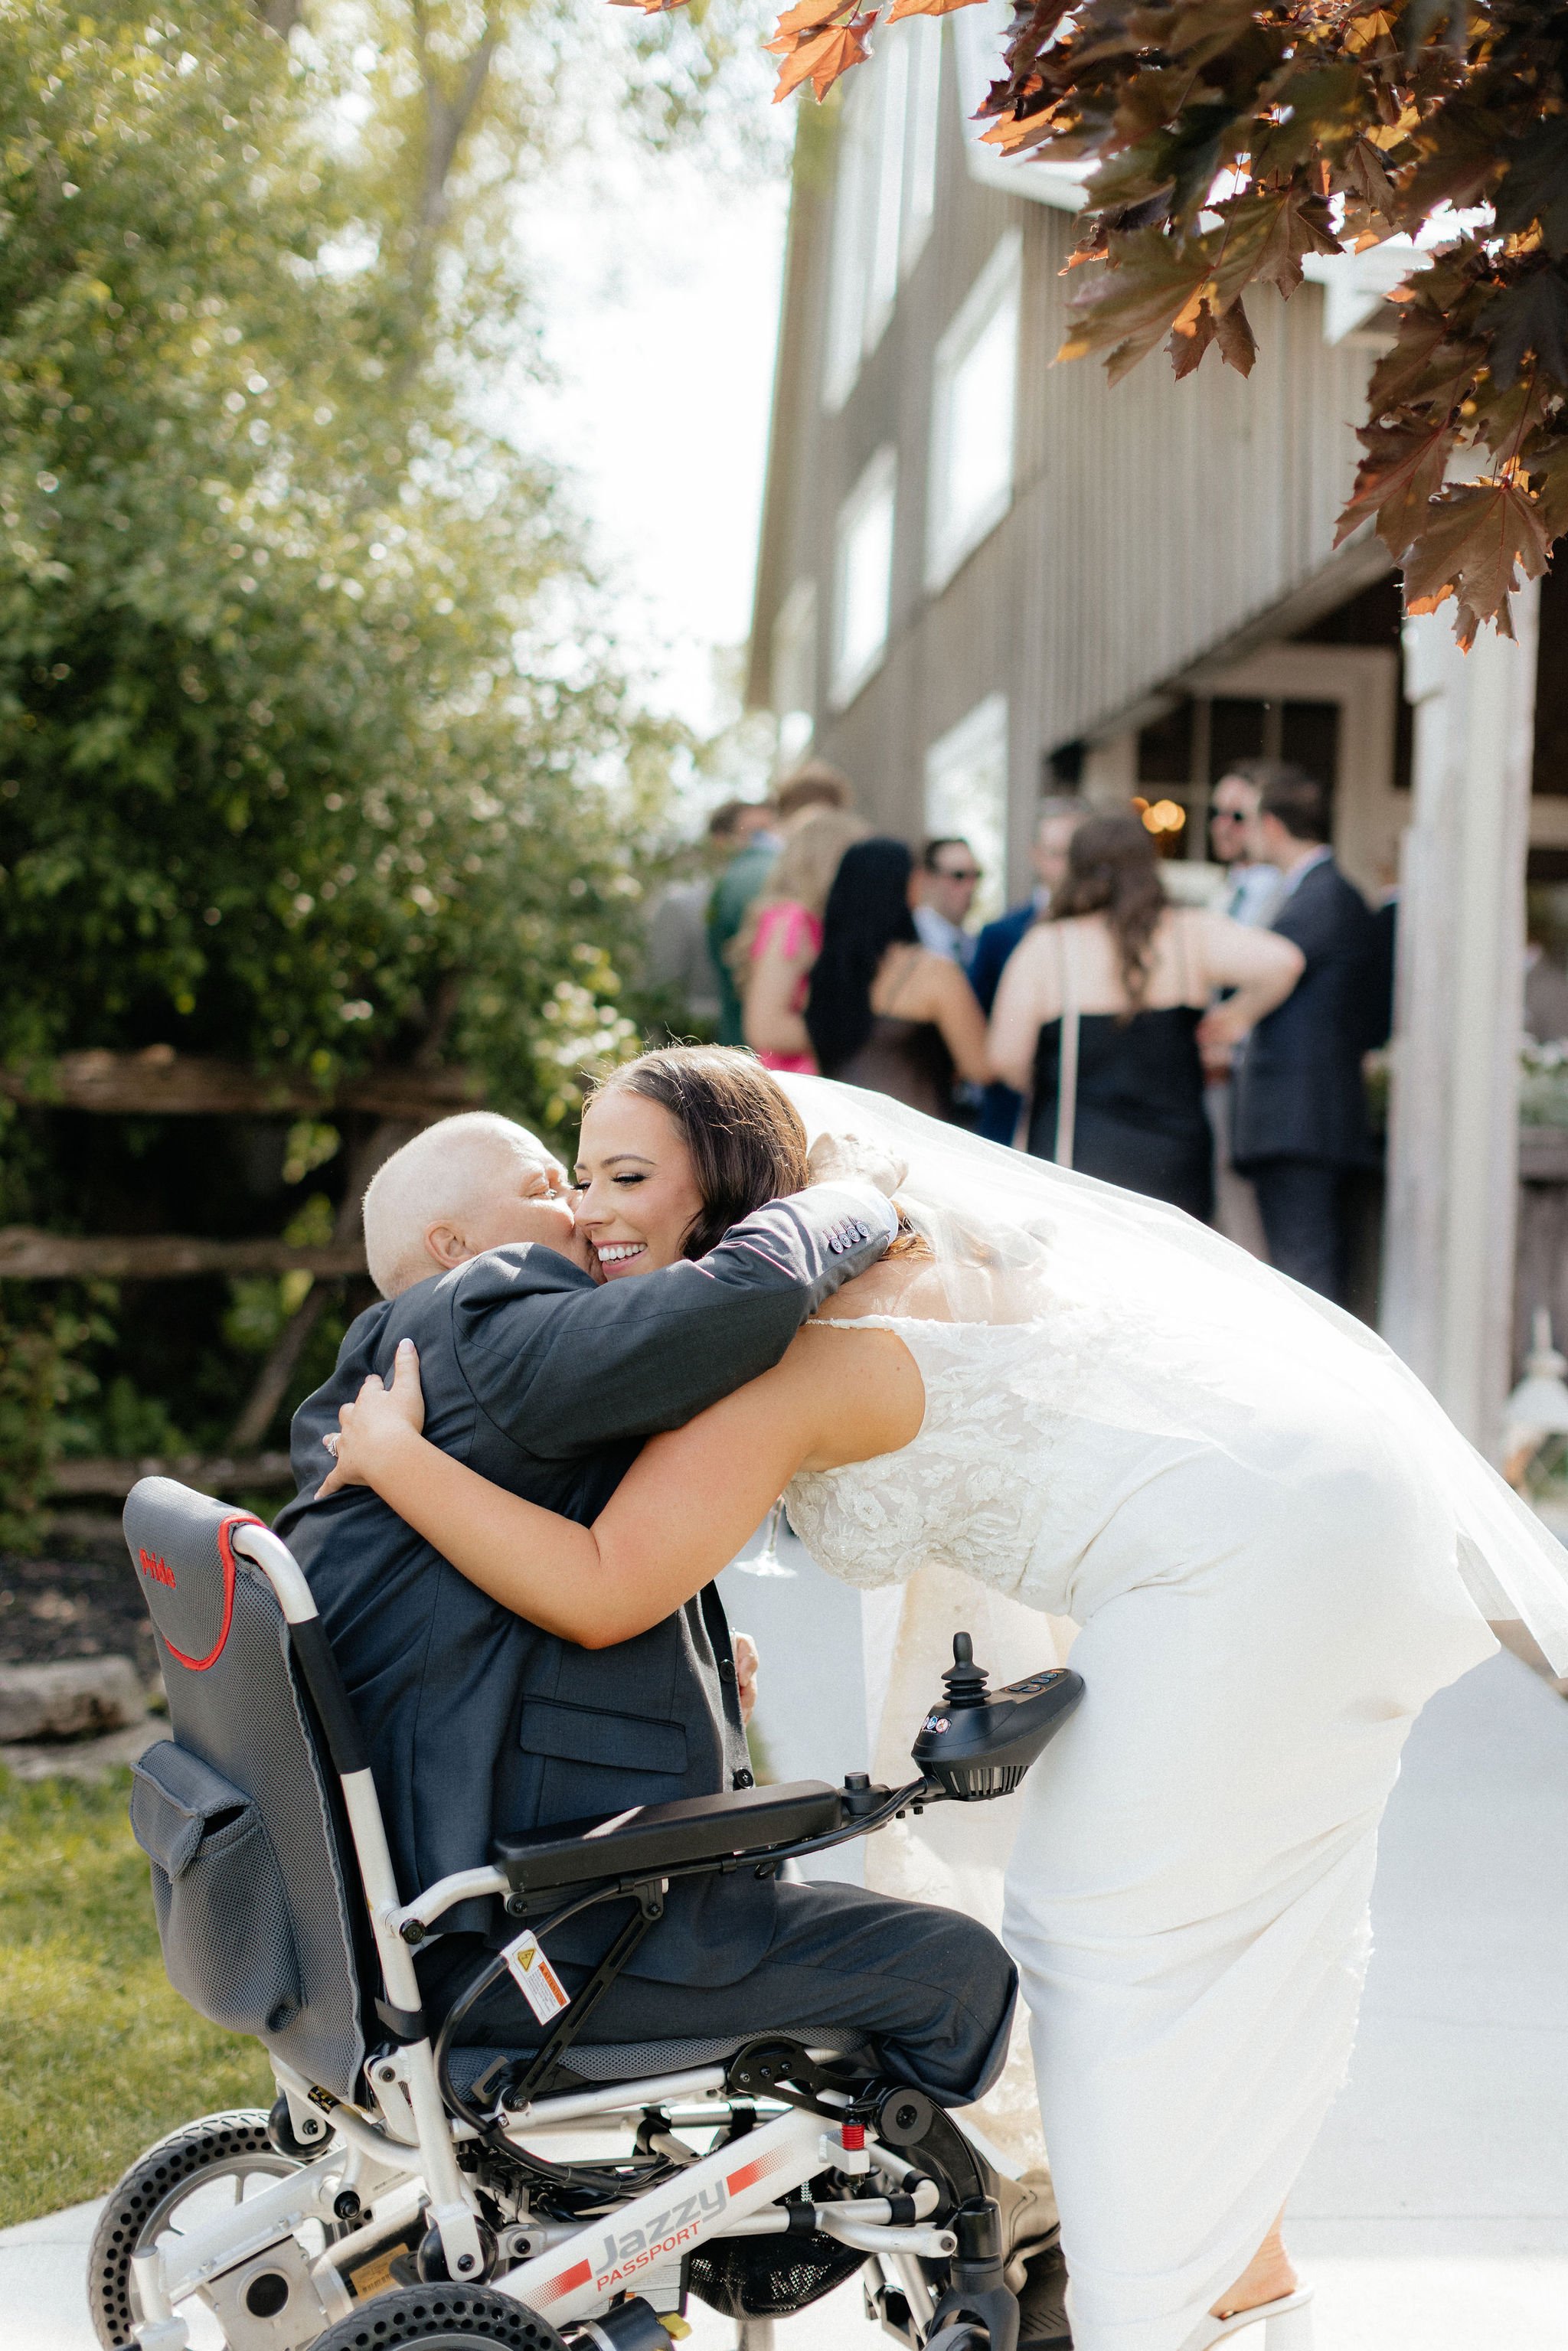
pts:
pixel 158 1568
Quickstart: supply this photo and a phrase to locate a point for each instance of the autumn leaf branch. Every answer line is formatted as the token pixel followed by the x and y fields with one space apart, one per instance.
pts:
pixel 1229 141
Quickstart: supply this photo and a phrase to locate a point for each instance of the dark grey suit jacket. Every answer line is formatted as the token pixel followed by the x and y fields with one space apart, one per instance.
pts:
pixel 1298 1092
pixel 546 1383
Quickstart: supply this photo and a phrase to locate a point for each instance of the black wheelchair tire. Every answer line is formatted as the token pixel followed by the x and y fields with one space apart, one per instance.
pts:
pixel 441 2318
pixel 209 2145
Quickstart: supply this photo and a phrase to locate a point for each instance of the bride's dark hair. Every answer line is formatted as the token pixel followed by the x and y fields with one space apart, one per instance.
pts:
pixel 745 1135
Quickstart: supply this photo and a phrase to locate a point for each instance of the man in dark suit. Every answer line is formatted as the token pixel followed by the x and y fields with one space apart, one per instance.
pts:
pixel 1300 1128
pixel 546 1382
pixel 1057 823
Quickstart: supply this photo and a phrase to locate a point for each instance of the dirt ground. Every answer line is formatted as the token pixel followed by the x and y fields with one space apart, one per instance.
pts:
pixel 81 1602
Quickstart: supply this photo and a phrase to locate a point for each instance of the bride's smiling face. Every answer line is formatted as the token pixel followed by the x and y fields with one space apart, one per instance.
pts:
pixel 639 1196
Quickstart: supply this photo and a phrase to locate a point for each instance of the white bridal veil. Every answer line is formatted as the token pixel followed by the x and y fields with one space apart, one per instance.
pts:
pixel 1162 1326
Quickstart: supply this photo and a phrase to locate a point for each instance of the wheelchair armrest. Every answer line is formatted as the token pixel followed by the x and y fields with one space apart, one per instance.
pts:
pixel 655 1837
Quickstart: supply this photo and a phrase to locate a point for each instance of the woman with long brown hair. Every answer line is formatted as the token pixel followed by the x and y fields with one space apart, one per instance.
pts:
pixel 1103 1009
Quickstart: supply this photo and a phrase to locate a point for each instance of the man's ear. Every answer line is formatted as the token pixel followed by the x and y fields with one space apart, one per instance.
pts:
pixel 447 1246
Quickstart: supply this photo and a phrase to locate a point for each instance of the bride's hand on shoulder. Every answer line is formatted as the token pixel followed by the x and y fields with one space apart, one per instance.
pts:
pixel 377 1427
pixel 833 1156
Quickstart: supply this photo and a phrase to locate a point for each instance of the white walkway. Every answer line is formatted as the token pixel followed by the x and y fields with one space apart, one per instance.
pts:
pixel 1434 2215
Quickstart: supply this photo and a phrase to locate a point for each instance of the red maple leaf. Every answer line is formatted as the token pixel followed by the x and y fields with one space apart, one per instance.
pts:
pixel 805 18
pixel 820 58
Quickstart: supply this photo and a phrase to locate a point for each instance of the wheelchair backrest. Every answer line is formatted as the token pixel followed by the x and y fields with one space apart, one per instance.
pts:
pixel 255 1885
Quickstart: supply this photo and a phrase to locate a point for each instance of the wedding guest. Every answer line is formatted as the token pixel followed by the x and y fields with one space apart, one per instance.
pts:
pixel 1102 1008
pixel 883 1010
pixel 1300 1128
pixel 745 828
pixel 678 959
pixel 1251 896
pixel 1254 883
pixel 773 951
pixel 945 885
pixel 1057 821
pixel 813 785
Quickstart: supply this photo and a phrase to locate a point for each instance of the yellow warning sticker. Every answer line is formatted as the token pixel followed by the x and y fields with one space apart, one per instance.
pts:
pixel 535 1978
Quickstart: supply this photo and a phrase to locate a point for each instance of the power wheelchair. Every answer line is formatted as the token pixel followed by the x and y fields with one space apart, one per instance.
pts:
pixel 570 2197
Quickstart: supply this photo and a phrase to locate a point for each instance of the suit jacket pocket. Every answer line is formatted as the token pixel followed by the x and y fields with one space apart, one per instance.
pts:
pixel 595 1761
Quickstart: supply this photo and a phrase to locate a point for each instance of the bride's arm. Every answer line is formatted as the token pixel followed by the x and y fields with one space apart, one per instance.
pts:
pixel 681 1512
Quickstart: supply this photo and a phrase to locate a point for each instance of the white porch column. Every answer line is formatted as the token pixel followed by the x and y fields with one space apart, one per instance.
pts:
pixel 1447 1289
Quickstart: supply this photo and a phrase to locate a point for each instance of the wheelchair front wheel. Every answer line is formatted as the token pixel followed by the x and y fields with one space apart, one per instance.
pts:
pixel 205 2163
pixel 441 2318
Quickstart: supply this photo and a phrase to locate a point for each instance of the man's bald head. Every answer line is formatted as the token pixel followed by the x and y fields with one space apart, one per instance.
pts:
pixel 467 1185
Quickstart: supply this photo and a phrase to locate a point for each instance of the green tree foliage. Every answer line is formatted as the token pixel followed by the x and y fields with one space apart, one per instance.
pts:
pixel 313 749
pixel 289 767
pixel 1227 141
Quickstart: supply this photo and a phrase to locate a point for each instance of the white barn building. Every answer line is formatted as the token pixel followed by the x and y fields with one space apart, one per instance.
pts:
pixel 982 574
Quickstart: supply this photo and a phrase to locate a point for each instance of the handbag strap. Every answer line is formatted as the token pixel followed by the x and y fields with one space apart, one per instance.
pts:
pixel 1067 1073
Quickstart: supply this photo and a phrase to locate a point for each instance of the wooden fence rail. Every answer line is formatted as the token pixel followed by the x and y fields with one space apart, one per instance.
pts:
pixel 27 1255
pixel 220 1474
pixel 161 1082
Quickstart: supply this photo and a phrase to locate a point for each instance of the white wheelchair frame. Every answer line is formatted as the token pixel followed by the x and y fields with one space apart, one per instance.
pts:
pixel 400 2161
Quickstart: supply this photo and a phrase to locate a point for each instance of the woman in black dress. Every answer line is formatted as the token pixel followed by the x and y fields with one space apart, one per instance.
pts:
pixel 1105 1011
pixel 883 1011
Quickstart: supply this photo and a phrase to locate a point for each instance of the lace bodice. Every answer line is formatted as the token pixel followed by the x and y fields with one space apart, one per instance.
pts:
pixel 1028 1454
pixel 971 1490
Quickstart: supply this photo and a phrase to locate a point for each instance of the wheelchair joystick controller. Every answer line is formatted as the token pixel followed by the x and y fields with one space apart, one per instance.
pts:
pixel 978 1743
pixel 965 1682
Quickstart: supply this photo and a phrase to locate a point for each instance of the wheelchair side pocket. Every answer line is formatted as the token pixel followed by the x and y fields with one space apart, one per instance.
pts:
pixel 222 1917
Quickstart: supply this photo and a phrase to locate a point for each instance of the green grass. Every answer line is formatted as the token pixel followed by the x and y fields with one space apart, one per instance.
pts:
pixel 97 2056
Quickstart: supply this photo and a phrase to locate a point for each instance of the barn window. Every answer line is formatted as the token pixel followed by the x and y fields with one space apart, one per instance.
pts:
pixel 885 196
pixel 974 396
pixel 966 793
pixel 793 673
pixel 863 577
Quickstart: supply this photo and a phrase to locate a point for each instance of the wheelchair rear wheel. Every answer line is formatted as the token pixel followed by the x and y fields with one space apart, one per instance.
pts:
pixel 206 2162
pixel 441 2318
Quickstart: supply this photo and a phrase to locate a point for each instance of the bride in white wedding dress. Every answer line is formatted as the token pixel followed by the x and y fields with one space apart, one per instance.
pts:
pixel 1276 1549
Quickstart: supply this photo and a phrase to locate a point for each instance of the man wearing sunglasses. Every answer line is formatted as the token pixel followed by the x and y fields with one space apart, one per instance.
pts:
pixel 1252 896
pixel 948 878
pixel 1233 835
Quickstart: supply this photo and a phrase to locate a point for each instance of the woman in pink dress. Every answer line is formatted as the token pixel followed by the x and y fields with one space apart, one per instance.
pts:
pixel 775 949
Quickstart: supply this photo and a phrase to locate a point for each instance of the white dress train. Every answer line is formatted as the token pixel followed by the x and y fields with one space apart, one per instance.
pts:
pixel 1266 1605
